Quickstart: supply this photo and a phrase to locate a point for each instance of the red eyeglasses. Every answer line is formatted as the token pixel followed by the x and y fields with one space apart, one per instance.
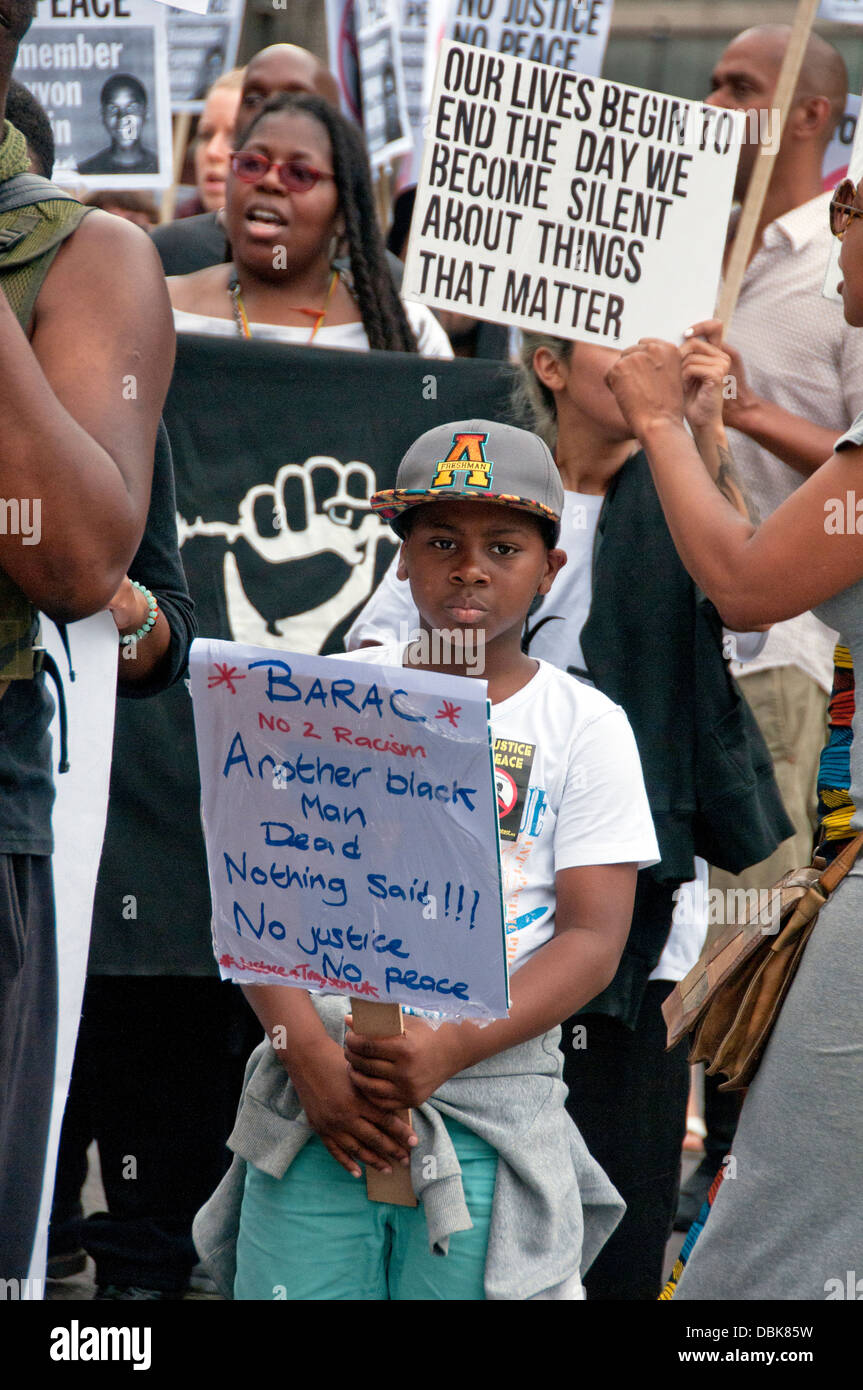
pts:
pixel 293 175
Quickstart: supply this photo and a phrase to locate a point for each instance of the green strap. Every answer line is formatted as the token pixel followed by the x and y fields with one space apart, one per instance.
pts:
pixel 14 158
pixel 30 238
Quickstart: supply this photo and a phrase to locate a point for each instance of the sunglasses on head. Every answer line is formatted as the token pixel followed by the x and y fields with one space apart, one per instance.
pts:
pixel 294 175
pixel 842 211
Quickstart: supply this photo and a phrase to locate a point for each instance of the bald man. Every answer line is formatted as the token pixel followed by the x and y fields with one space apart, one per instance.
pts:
pixel 195 242
pixel 283 67
pixel 799 381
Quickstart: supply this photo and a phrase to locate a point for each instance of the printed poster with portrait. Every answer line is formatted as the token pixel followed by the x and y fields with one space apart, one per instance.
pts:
pixel 201 47
pixel 104 86
pixel 386 123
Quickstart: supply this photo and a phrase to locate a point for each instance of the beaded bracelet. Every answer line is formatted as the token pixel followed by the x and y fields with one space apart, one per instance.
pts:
pixel 152 615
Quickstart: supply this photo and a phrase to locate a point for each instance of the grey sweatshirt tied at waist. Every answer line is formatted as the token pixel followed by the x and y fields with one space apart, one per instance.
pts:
pixel 553 1209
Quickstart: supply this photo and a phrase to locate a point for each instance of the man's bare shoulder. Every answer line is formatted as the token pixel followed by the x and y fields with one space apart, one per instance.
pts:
pixel 103 253
pixel 103 313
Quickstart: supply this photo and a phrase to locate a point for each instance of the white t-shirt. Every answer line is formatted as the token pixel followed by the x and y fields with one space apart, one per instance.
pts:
pixel 432 341
pixel 584 802
pixel 389 614
pixel 556 624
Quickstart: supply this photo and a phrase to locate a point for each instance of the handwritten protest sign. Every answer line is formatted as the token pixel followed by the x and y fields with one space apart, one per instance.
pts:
pixel 569 34
pixel 567 204
pixel 349 816
pixel 101 73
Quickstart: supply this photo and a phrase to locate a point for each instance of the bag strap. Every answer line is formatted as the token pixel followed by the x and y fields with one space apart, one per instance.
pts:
pixel 815 897
pixel 23 190
pixel 844 861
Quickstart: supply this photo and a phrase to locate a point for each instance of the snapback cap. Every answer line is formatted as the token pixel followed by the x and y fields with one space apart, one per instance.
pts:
pixel 476 459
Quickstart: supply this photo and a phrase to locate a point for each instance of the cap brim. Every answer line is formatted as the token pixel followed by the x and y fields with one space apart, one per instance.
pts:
pixel 392 502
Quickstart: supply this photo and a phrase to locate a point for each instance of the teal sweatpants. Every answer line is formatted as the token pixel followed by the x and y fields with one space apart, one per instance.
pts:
pixel 314 1234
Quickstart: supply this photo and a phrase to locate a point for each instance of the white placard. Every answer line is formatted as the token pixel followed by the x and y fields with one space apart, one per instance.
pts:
pixel 570 34
pixel 437 17
pixel 841 11
pixel 193 6
pixel 567 204
pixel 201 47
pixel 414 37
pixel 350 818
pixel 78 820
pixel 385 115
pixel 104 85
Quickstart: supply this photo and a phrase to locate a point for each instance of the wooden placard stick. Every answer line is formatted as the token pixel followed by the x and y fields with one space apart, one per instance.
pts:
pixel 753 203
pixel 183 124
pixel 383 192
pixel 373 1020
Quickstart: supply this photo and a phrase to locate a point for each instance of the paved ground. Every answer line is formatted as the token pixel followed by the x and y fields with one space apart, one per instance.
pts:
pixel 83 1286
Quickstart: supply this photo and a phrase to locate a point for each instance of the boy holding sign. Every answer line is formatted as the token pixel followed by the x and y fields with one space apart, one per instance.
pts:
pixel 507 1188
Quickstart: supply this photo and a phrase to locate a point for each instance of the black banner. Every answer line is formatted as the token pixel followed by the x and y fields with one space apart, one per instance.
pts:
pixel 277 450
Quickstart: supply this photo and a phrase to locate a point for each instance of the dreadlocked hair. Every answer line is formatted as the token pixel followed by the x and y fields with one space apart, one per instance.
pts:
pixel 532 401
pixel 383 315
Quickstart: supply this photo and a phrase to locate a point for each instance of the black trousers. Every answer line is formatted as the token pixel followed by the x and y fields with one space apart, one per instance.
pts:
pixel 156 1082
pixel 28 1044
pixel 628 1097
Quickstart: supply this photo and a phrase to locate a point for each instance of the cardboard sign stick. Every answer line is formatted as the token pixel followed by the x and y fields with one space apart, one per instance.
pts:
pixel 384 196
pixel 181 139
pixel 757 190
pixel 373 1020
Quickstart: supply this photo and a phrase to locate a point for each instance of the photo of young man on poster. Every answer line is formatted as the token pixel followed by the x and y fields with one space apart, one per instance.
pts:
pixel 124 103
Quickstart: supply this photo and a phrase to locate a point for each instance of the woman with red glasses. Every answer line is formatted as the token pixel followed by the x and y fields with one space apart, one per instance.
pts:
pixel 299 209
pixel 790 1225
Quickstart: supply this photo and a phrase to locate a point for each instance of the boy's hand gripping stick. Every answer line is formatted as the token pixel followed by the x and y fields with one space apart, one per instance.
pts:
pixel 384 1021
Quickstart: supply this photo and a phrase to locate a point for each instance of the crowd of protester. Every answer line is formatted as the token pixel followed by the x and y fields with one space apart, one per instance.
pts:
pixel 696 557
